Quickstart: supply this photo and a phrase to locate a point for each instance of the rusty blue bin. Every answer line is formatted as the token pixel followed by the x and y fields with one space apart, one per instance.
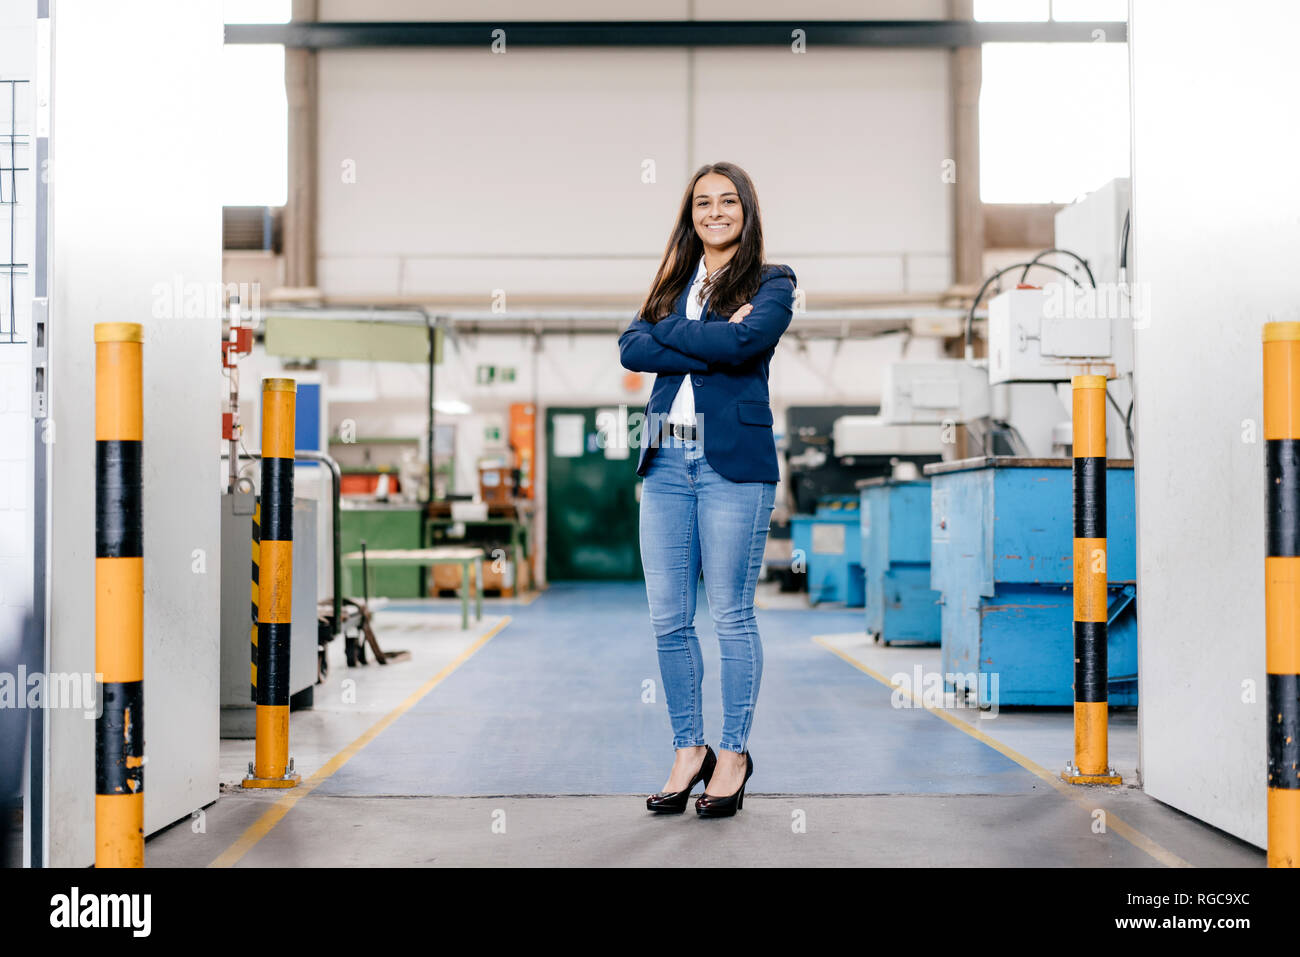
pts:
pixel 1002 557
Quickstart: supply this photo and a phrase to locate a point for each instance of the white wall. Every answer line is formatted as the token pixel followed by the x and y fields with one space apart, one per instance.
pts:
pixel 522 171
pixel 1216 226
pixel 134 168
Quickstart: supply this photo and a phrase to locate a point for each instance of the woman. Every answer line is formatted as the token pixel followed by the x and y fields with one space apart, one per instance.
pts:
pixel 708 457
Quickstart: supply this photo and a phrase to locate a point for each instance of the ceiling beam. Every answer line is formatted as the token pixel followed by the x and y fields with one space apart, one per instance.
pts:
pixel 670 33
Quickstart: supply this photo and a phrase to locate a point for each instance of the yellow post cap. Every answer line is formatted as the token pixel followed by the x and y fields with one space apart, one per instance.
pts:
pixel 119 332
pixel 279 385
pixel 1281 331
pixel 1089 382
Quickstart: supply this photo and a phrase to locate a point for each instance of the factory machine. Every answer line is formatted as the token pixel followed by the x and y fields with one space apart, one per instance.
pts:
pixel 1002 542
pixel 821 473
pixel 1001 528
pixel 923 403
pixel 815 467
pixel 829 540
pixel 900 604
pixel 830 545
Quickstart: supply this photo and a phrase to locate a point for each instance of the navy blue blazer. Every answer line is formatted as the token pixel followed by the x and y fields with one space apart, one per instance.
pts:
pixel 727 363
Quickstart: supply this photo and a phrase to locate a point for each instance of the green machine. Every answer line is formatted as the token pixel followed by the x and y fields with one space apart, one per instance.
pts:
pixel 384 527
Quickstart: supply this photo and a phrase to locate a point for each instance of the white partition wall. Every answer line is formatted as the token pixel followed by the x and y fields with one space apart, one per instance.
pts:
pixel 1216 227
pixel 454 172
pixel 135 147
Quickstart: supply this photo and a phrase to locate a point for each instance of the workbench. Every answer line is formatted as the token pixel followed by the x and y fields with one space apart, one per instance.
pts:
pixel 437 529
pixel 384 526
pixel 469 560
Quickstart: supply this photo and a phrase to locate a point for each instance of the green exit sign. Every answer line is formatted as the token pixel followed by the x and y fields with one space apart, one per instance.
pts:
pixel 487 374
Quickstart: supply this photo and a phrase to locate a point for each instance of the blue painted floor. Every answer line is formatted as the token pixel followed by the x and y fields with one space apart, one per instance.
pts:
pixel 553 705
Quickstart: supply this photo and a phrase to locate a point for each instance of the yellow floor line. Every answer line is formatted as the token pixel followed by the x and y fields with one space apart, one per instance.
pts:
pixel 1073 792
pixel 263 825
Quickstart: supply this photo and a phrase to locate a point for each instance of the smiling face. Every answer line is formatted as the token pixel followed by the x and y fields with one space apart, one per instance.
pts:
pixel 717 211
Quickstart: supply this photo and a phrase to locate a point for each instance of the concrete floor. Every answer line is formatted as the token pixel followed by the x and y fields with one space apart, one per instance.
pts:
pixel 528 740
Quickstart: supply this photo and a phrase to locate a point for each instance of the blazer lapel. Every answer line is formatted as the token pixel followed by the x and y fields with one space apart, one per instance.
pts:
pixel 681 303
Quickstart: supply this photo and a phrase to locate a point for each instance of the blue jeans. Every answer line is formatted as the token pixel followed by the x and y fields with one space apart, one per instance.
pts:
pixel 694 519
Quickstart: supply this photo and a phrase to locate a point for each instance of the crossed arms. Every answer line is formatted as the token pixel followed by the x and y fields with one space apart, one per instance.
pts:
pixel 677 344
pixel 640 352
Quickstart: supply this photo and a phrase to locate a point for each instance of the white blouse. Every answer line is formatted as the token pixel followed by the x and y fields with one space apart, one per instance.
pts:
pixel 682 411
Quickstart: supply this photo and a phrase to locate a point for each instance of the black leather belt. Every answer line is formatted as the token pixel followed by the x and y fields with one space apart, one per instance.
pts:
pixel 674 430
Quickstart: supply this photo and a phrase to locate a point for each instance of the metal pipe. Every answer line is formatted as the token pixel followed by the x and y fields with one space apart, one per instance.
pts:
pixel 229 358
pixel 561 317
pixel 432 414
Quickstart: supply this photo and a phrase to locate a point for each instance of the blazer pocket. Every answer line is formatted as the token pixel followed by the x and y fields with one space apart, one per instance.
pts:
pixel 754 413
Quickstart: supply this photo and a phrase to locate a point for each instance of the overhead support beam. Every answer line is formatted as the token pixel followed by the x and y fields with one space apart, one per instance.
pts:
pixel 670 33
pixel 395 335
pixel 300 209
pixel 965 66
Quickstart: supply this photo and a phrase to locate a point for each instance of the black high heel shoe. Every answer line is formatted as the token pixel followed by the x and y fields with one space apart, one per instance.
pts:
pixel 713 805
pixel 674 802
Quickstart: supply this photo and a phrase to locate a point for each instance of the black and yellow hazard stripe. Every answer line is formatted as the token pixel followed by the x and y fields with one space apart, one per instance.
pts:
pixel 257 535
pixel 1091 747
pixel 1282 587
pixel 119 595
pixel 274 521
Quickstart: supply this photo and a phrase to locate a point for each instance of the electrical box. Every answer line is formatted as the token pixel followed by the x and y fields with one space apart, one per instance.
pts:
pixel 1073 327
pixel 1093 227
pixel 870 435
pixel 1067 338
pixel 1028 343
pixel 945 390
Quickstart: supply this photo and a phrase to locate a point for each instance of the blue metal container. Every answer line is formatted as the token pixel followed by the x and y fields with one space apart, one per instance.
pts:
pixel 901 606
pixel 1002 555
pixel 830 545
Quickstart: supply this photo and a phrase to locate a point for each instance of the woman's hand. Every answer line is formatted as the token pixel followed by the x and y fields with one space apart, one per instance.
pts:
pixel 742 312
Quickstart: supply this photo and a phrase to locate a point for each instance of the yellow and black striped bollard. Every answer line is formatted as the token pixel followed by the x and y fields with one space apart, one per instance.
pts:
pixel 1282 587
pixel 119 595
pixel 272 767
pixel 1091 749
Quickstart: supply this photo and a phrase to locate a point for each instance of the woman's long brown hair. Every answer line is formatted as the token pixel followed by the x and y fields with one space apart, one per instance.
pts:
pixel 728 288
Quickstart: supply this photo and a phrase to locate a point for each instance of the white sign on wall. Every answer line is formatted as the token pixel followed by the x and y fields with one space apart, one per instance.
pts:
pixel 567 433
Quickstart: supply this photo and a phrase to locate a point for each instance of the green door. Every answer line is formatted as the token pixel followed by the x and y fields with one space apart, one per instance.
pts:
pixel 591 495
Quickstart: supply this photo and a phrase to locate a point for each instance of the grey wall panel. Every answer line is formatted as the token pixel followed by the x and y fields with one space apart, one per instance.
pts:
pixel 1216 223
pixel 135 210
pixel 457 172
